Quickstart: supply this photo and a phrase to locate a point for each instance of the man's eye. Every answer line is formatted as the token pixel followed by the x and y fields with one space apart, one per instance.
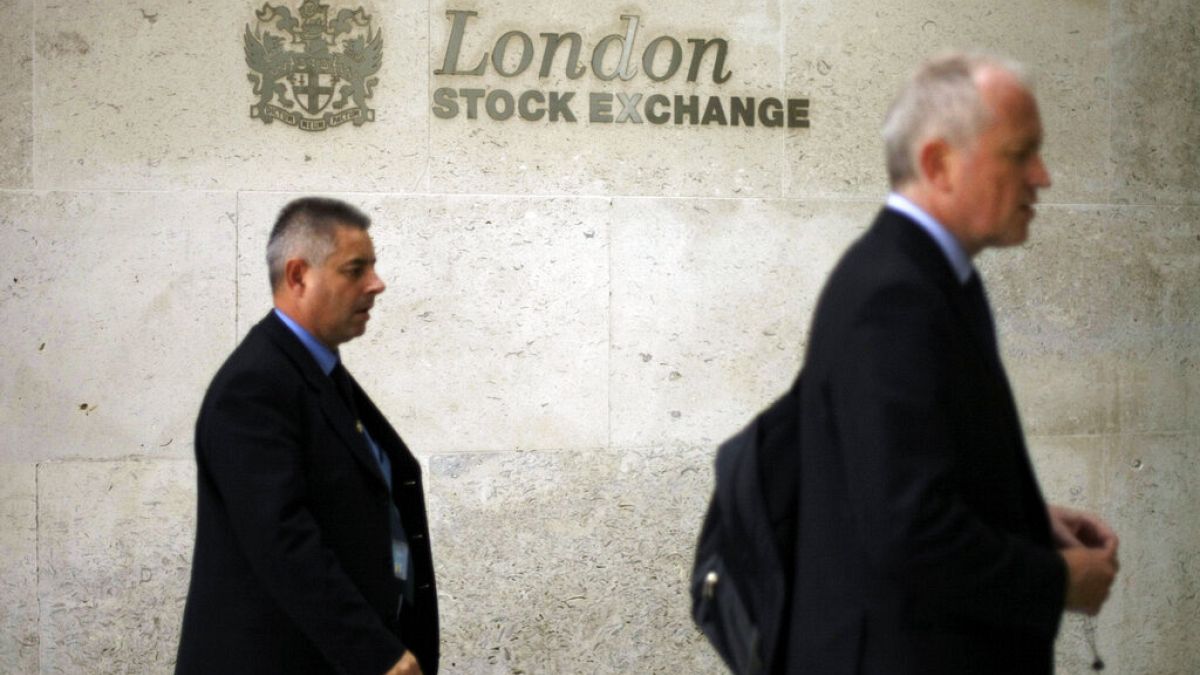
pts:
pixel 1024 155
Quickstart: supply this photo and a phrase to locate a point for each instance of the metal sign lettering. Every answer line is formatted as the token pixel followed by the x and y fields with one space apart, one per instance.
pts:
pixel 662 58
pixel 299 75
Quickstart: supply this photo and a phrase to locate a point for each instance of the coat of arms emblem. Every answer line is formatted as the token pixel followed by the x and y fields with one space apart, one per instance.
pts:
pixel 301 76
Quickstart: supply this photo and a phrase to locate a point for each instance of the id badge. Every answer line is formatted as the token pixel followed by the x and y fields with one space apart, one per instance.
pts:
pixel 400 559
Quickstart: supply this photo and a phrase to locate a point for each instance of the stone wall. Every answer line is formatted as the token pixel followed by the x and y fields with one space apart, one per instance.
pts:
pixel 577 312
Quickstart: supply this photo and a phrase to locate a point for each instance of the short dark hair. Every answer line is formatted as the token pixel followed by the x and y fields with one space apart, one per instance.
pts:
pixel 305 229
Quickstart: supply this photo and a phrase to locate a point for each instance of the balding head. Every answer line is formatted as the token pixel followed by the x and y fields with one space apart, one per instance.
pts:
pixel 941 100
pixel 964 144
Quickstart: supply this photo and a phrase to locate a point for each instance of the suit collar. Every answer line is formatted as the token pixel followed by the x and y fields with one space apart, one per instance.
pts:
pixel 955 254
pixel 335 410
pixel 325 357
pixel 915 243
pixel 283 338
pixel 907 235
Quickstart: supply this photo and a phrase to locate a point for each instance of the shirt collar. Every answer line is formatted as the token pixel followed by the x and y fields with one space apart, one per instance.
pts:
pixel 958 258
pixel 326 357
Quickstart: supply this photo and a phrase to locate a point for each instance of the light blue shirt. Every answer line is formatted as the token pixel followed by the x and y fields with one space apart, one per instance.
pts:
pixel 955 254
pixel 326 357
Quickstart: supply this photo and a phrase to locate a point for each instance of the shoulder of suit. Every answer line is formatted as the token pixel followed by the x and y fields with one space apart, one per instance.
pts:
pixel 259 355
pixel 896 249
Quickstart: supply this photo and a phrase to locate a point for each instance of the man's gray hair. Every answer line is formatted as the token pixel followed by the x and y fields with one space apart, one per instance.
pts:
pixel 306 228
pixel 940 100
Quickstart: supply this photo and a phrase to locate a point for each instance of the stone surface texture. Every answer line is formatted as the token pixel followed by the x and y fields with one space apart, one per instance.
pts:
pixel 113 562
pixel 1115 319
pixel 577 312
pixel 134 95
pixel 710 305
pixel 16 95
pixel 852 57
pixel 590 570
pixel 1155 101
pixel 18 569
pixel 117 308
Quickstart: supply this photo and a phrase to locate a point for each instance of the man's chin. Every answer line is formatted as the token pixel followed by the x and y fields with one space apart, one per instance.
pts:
pixel 355 329
pixel 1016 233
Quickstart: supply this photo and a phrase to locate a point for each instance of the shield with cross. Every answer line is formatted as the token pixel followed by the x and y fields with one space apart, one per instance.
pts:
pixel 313 81
pixel 313 69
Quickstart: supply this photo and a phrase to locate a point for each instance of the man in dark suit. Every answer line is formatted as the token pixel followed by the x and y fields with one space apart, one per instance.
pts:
pixel 924 544
pixel 312 549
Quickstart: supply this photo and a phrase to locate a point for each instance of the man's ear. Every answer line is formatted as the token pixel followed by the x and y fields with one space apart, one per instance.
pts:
pixel 935 159
pixel 294 271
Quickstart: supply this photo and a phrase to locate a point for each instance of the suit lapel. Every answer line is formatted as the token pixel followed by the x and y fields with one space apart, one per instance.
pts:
pixel 334 409
pixel 403 463
pixel 921 247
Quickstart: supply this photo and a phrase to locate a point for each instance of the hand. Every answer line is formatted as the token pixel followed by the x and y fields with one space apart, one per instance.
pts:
pixel 1077 528
pixel 1090 573
pixel 407 665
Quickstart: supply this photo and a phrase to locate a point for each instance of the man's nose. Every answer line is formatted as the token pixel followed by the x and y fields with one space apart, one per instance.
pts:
pixel 1039 174
pixel 375 286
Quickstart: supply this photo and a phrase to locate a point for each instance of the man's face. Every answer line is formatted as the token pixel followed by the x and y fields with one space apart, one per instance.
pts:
pixel 998 176
pixel 340 291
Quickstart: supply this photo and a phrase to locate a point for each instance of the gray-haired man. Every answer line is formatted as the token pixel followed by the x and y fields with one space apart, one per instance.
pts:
pixel 924 543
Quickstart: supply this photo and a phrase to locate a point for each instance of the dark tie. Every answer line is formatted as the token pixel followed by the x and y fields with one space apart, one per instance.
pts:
pixel 979 313
pixel 341 380
pixel 401 558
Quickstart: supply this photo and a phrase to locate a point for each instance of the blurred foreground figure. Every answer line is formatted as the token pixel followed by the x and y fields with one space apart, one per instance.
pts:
pixel 924 545
pixel 312 549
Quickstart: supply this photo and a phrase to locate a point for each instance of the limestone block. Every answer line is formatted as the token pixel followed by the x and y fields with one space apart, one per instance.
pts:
pixel 1092 277
pixel 711 305
pixel 1150 390
pixel 1096 317
pixel 16 95
pixel 1149 625
pixel 18 569
pixel 157 95
pixel 493 333
pixel 1155 101
pixel 629 155
pixel 569 562
pixel 1072 470
pixel 852 57
pixel 116 310
pixel 114 562
pixel 1064 392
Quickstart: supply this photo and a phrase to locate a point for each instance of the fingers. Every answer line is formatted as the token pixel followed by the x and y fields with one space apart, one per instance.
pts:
pixel 1090 574
pixel 1080 528
pixel 1063 536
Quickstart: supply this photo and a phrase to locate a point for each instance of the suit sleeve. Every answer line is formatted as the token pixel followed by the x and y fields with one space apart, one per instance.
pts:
pixel 251 448
pixel 889 397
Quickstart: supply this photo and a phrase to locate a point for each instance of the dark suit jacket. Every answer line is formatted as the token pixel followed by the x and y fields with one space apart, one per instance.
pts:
pixel 924 544
pixel 292 571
